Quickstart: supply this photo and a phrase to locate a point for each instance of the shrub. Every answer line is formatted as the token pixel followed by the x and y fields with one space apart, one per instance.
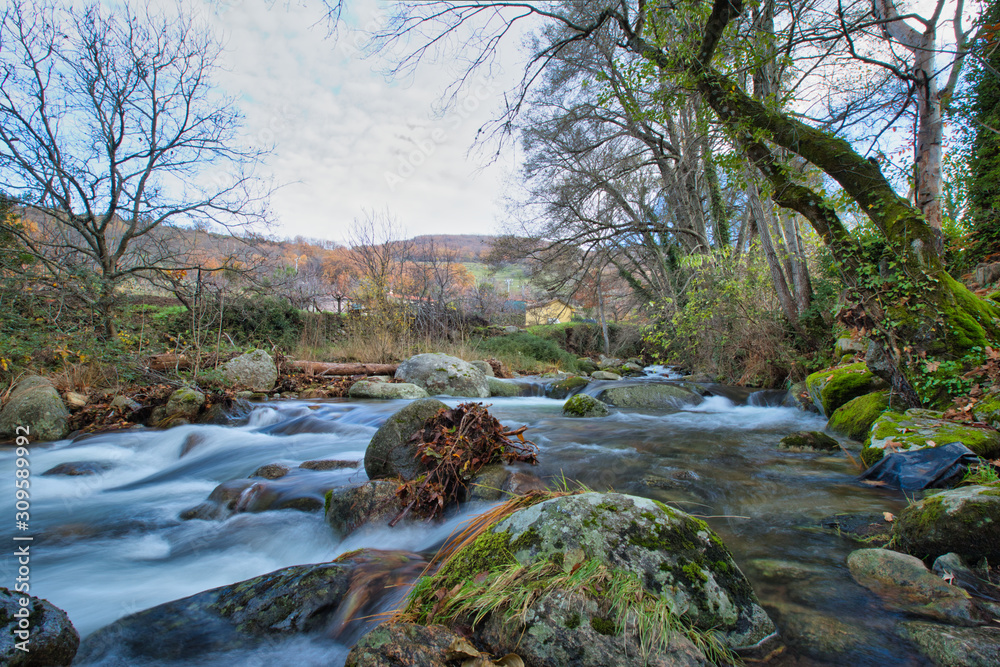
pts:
pixel 531 349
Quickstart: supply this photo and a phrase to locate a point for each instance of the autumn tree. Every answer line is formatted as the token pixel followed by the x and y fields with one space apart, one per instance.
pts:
pixel 110 133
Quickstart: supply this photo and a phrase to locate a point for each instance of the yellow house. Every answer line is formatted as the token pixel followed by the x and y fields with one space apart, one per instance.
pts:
pixel 555 311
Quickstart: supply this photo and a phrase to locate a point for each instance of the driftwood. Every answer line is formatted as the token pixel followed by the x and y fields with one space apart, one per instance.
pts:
pixel 169 361
pixel 322 368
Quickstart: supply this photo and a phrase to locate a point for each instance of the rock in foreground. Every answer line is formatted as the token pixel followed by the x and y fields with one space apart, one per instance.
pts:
pixel 390 454
pixel 965 521
pixel 51 639
pixel 35 404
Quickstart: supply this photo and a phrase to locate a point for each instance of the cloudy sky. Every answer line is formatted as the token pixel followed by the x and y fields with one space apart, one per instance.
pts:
pixel 347 138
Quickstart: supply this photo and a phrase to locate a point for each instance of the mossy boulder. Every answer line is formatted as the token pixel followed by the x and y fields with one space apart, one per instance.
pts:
pixel 36 405
pixel 51 639
pixel 965 520
pixel 502 388
pixel 441 374
pixel 185 403
pixel 987 410
pixel 831 388
pixel 386 390
pixel 918 428
pixel 650 395
pixel 582 405
pixel 606 375
pixel 809 441
pixel 294 600
pixel 854 419
pixel 579 564
pixel 389 453
pixel 566 387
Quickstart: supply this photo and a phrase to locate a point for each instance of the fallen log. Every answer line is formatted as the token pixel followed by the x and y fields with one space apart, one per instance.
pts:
pixel 168 361
pixel 323 368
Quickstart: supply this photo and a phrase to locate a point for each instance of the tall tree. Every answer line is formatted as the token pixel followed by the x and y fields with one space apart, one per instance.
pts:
pixel 110 131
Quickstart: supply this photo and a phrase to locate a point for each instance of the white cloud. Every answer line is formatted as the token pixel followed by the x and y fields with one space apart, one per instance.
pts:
pixel 345 138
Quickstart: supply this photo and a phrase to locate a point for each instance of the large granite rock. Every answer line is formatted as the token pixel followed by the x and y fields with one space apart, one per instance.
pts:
pixel 650 395
pixel 50 638
pixel 502 388
pixel 254 370
pixel 442 374
pixel 948 646
pixel 965 521
pixel 597 559
pixel 374 502
pixel 405 645
pixel 855 418
pixel 35 404
pixel 389 453
pixel 582 405
pixel 185 403
pixel 386 390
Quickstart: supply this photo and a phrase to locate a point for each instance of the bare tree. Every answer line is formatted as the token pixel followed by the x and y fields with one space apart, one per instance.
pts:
pixel 110 132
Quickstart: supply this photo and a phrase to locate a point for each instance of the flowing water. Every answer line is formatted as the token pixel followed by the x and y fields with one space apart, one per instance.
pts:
pixel 111 544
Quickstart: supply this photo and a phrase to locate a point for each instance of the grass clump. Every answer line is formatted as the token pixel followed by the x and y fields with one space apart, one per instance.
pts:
pixel 525 350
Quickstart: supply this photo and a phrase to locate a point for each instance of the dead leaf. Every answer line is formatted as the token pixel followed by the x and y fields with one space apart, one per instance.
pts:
pixel 510 660
pixel 948 577
pixel 931 443
pixel 889 516
pixel 932 366
pixel 460 648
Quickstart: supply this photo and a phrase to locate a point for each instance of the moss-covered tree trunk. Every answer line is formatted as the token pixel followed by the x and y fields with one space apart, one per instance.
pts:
pixel 914 309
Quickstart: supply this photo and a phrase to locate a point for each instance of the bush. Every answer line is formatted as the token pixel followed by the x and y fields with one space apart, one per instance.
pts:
pixel 584 339
pixel 530 349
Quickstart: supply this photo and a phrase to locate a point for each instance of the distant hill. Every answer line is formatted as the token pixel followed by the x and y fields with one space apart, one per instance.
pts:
pixel 467 247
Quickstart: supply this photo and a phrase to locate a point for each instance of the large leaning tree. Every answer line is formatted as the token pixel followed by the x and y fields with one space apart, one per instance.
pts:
pixel 913 310
pixel 112 138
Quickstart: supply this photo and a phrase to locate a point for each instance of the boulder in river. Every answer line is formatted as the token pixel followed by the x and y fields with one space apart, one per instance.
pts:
pixel 965 520
pixel 49 636
pixel 79 468
pixel 373 502
pixel 566 387
pixel 34 404
pixel 386 390
pixel 254 370
pixel 918 428
pixel 485 367
pixel 650 395
pixel 948 646
pixel 904 583
pixel 854 419
pixel 443 374
pixel 582 405
pixel 185 403
pixel 574 580
pixel 389 453
pixel 831 388
pixel 605 375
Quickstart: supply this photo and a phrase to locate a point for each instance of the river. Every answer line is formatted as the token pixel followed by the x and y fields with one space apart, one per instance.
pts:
pixel 111 544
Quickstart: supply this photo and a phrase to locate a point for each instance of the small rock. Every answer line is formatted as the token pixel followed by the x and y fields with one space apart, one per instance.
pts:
pixel 965 520
pixel 271 471
pixel 605 375
pixel 79 468
pixel 809 441
pixel 124 404
pixel 52 642
pixel 185 403
pixel 314 394
pixel 582 405
pixel 328 464
pixel 76 400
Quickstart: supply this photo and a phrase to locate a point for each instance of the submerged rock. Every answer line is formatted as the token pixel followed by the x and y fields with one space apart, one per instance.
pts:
pixel 650 395
pixel 51 639
pixel 917 429
pixel 904 583
pixel 965 521
pixel 854 419
pixel 641 554
pixel 299 599
pixel 34 404
pixel 809 441
pixel 948 646
pixel 386 390
pixel 443 374
pixel 389 453
pixel 271 471
pixel 833 387
pixel 582 405
pixel 254 370
pixel 567 386
pixel 328 464
pixel 823 636
pixel 79 468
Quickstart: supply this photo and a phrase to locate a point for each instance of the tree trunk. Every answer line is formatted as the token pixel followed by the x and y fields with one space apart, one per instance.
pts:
pixel 765 225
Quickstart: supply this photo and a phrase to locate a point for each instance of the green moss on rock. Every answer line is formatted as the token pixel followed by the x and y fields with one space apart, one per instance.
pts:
pixel 582 405
pixel 854 419
pixel 917 429
pixel 965 521
pixel 833 387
